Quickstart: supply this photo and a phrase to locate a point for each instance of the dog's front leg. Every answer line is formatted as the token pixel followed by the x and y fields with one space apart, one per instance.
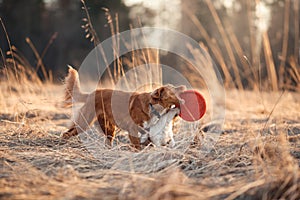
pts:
pixel 135 141
pixel 134 137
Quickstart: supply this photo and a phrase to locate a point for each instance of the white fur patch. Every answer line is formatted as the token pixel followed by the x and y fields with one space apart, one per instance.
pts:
pixel 161 132
pixel 143 137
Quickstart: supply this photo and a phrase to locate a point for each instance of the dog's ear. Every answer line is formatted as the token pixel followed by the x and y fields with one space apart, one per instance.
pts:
pixel 180 89
pixel 157 94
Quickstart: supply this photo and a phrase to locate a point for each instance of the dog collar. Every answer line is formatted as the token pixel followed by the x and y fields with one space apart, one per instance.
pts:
pixel 154 111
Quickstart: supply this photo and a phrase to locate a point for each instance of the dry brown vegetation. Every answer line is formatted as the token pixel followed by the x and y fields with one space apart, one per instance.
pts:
pixel 256 156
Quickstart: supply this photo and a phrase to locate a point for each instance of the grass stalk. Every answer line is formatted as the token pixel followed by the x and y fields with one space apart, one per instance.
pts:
pixel 270 61
pixel 296 27
pixel 241 54
pixel 213 46
pixel 254 56
pixel 284 41
pixel 39 59
pixel 10 48
pixel 226 43
pixel 114 42
pixel 89 28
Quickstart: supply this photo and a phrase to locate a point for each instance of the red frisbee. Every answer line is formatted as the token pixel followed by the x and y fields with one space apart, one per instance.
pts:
pixel 194 106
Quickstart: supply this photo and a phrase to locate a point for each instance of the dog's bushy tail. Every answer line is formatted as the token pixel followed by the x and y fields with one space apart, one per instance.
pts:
pixel 72 89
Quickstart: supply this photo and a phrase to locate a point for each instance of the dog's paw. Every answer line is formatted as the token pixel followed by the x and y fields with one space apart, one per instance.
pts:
pixel 68 134
pixel 143 137
pixel 65 135
pixel 172 143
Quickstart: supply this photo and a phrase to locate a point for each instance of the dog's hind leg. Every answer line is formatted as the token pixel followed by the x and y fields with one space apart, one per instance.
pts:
pixel 108 129
pixel 81 123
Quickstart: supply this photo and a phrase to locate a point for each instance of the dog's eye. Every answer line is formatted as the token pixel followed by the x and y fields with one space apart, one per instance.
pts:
pixel 173 106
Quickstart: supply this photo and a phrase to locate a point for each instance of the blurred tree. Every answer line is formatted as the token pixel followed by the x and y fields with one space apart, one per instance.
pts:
pixel 40 19
pixel 22 19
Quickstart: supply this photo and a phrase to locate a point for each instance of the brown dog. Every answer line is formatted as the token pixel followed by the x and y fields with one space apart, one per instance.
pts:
pixel 129 111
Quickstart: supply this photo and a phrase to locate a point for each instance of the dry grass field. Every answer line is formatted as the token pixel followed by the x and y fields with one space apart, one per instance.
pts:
pixel 257 156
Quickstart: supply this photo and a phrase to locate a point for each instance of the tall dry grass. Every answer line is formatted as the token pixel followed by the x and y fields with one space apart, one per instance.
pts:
pixel 278 77
pixel 17 72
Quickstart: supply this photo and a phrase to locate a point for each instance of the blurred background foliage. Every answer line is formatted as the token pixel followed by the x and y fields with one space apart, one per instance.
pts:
pixel 54 27
pixel 41 20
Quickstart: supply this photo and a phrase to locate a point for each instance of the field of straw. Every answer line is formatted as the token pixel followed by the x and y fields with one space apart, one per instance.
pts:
pixel 257 155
